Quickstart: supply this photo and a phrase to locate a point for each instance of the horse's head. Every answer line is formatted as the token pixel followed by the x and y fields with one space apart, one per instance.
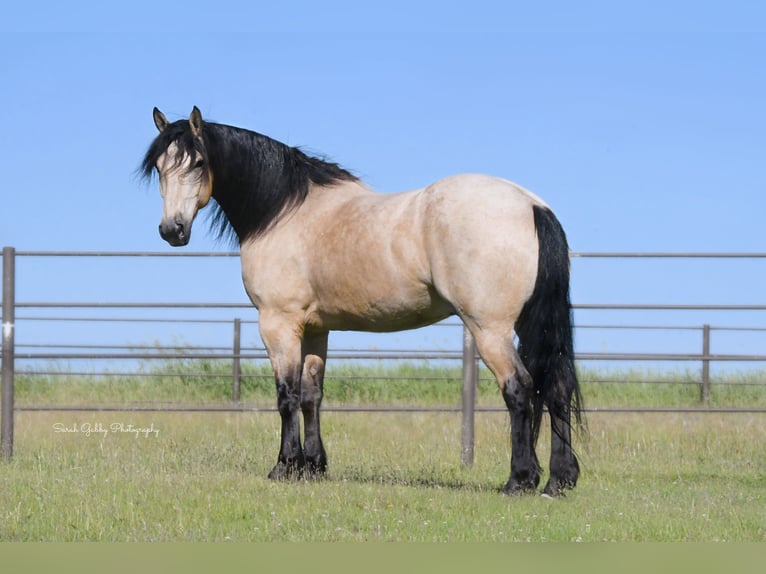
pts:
pixel 179 155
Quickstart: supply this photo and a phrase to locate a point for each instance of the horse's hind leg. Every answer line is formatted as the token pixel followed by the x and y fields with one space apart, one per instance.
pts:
pixel 499 354
pixel 564 467
pixel 312 383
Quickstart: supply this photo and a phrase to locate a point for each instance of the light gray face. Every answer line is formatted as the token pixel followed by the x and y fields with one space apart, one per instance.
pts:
pixel 186 184
pixel 185 189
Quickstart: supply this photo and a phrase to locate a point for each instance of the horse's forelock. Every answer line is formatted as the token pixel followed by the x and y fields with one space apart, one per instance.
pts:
pixel 178 133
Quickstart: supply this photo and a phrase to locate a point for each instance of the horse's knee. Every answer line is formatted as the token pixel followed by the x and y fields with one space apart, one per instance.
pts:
pixel 288 395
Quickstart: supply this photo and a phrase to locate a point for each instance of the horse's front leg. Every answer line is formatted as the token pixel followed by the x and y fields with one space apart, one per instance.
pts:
pixel 312 383
pixel 283 343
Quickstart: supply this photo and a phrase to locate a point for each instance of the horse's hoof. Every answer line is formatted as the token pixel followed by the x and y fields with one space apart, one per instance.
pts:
pixel 516 488
pixel 522 482
pixel 285 471
pixel 315 469
pixel 555 488
pixel 279 472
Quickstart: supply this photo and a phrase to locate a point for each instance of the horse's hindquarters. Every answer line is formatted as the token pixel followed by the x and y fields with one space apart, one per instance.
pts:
pixel 482 247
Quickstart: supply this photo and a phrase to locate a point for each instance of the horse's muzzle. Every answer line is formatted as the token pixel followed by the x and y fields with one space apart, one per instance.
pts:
pixel 175 231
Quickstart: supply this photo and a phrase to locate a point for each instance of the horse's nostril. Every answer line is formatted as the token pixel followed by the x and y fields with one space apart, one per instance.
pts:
pixel 172 230
pixel 175 231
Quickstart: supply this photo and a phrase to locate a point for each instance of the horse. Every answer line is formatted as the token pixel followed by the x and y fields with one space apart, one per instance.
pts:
pixel 321 251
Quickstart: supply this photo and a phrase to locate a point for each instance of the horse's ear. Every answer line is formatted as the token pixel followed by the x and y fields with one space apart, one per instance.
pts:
pixel 160 120
pixel 195 121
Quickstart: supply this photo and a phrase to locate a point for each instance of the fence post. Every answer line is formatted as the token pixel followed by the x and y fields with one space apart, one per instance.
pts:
pixel 236 374
pixel 9 300
pixel 470 381
pixel 705 387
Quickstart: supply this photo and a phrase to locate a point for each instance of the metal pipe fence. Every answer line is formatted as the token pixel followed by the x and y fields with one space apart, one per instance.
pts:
pixel 233 353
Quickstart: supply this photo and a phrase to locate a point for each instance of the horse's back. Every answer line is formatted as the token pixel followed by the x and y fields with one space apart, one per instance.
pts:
pixel 478 196
pixel 462 181
pixel 350 258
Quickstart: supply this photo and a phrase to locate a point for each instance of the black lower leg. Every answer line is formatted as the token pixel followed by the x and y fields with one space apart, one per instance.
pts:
pixel 291 461
pixel 564 467
pixel 525 469
pixel 316 458
pixel 314 351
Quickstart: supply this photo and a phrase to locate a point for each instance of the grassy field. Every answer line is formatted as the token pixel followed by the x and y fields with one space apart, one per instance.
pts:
pixel 152 476
pixel 209 382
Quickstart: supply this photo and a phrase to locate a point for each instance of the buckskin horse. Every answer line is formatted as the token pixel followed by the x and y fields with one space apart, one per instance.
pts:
pixel 321 251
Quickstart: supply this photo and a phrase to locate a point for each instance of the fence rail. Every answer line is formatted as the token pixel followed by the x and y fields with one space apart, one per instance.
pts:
pixel 236 352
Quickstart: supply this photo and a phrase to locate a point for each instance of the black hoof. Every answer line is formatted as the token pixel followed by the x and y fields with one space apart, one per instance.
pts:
pixel 557 487
pixel 286 471
pixel 315 469
pixel 516 486
pixel 516 490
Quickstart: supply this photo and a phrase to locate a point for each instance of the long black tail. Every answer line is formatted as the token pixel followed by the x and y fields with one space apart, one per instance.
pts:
pixel 544 327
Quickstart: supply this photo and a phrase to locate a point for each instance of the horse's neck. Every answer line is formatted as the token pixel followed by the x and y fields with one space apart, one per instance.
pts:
pixel 320 198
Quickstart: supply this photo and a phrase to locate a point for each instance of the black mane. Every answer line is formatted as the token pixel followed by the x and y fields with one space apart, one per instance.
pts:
pixel 256 179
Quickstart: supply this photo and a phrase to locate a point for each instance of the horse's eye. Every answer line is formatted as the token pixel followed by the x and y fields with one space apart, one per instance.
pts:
pixel 199 164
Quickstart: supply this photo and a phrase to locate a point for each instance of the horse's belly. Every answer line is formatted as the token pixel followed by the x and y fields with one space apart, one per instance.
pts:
pixel 393 312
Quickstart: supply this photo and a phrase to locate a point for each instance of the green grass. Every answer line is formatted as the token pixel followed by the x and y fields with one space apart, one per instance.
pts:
pixel 393 477
pixel 209 382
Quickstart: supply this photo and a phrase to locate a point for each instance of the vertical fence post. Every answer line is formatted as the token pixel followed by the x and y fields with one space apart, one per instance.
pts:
pixel 705 387
pixel 6 398
pixel 236 374
pixel 470 381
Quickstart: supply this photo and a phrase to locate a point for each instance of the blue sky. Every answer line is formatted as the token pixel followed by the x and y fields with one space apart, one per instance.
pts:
pixel 642 124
